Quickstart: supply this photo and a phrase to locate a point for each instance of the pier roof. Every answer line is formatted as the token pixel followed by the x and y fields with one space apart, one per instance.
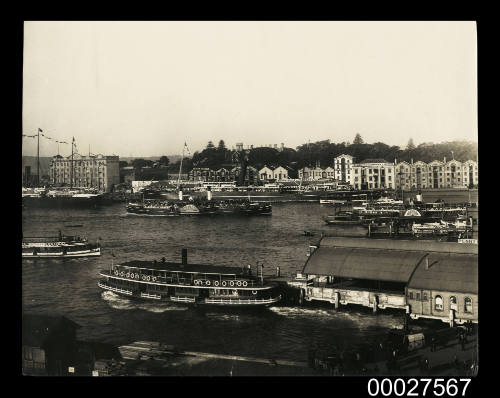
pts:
pixel 363 263
pixel 419 264
pixel 408 245
pixel 448 272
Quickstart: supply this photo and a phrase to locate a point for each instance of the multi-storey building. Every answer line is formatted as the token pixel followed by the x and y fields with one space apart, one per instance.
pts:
pixel 470 173
pixel 373 174
pixel 97 171
pixel 343 168
pixel 436 174
pixel 201 174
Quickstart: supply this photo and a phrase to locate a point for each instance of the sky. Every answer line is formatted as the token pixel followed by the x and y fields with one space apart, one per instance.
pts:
pixel 144 88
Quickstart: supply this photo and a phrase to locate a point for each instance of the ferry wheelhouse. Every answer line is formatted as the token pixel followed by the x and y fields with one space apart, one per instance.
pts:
pixel 59 247
pixel 196 284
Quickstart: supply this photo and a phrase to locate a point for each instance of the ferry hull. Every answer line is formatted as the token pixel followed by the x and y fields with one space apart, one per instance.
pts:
pixel 140 210
pixel 92 253
pixel 191 301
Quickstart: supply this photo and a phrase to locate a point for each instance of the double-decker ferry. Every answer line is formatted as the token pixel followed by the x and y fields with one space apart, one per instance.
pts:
pixel 158 207
pixel 59 247
pixel 196 284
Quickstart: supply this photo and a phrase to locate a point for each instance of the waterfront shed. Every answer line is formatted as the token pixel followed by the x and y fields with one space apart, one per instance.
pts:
pixel 48 344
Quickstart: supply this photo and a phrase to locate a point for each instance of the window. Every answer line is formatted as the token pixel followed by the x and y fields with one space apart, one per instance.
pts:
pixel 424 296
pixel 418 296
pixel 411 295
pixel 468 305
pixel 438 303
pixel 453 302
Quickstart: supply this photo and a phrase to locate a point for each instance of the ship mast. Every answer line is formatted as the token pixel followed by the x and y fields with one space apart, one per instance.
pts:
pixel 38 160
pixel 180 168
pixel 71 174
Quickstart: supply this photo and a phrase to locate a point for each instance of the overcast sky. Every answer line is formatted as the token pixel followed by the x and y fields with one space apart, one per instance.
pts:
pixel 143 88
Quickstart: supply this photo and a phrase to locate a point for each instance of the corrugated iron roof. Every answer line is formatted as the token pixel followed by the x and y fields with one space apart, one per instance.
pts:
pixel 448 272
pixel 451 268
pixel 390 244
pixel 363 263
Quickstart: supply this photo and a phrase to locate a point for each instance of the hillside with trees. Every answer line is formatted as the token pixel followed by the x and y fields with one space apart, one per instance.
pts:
pixel 325 151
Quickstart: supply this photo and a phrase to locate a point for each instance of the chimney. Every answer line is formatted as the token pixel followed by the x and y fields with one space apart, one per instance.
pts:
pixel 411 160
pixel 444 159
pixel 180 192
pixel 209 193
pixel 427 262
pixel 395 161
pixel 184 256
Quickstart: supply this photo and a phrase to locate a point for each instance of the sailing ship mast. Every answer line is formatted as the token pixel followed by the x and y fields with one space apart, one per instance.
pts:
pixel 180 167
pixel 38 161
pixel 71 175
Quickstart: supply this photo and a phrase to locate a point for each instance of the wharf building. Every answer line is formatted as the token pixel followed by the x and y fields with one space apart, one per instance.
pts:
pixel 97 171
pixel 436 174
pixel 427 279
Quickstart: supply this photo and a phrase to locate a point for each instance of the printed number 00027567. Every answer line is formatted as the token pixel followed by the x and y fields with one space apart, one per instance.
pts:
pixel 411 387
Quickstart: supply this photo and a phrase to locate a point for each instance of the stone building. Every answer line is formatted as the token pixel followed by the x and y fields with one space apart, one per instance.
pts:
pixel 95 171
pixel 373 174
pixel 343 168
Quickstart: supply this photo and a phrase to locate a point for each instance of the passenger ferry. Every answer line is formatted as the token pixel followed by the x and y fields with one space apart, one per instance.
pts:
pixel 180 207
pixel 195 284
pixel 59 247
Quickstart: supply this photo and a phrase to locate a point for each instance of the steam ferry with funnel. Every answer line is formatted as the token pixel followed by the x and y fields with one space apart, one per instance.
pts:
pixel 181 206
pixel 60 246
pixel 192 284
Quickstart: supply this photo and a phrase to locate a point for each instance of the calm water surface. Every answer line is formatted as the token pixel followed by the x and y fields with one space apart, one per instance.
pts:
pixel 69 287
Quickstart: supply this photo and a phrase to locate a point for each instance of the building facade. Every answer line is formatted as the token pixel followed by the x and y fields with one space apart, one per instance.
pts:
pixel 343 168
pixel 99 171
pixel 436 174
pixel 373 174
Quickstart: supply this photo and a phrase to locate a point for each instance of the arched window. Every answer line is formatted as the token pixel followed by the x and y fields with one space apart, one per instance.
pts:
pixel 468 305
pixel 438 303
pixel 453 302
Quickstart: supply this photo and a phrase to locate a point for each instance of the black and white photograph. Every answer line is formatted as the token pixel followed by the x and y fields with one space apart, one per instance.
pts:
pixel 250 199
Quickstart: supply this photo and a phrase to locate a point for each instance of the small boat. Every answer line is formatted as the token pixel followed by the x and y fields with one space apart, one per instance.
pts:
pixel 58 247
pixel 308 233
pixel 192 284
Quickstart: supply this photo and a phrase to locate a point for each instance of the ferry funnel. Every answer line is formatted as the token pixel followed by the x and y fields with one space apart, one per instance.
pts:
pixel 180 193
pixel 184 256
pixel 209 193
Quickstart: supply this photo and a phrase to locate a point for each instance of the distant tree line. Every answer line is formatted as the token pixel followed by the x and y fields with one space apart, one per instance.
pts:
pixel 325 151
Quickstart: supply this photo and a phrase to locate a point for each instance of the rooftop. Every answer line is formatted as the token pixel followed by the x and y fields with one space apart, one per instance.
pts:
pixel 190 268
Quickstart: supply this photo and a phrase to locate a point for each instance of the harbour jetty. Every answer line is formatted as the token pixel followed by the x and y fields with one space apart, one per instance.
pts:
pixel 426 279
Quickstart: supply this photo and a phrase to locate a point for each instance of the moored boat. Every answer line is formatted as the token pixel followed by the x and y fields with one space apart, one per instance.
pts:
pixel 196 284
pixel 199 207
pixel 59 247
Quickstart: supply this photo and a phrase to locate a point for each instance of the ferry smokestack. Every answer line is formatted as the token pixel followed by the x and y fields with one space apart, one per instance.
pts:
pixel 180 192
pixel 277 271
pixel 184 256
pixel 209 193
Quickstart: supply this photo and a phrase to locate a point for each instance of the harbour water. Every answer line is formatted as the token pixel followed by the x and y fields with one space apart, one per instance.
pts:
pixel 69 286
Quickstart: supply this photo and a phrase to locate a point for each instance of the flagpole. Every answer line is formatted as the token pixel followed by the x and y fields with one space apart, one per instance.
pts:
pixel 38 159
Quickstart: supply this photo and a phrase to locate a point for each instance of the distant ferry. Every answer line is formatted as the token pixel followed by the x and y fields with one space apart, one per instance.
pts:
pixel 60 198
pixel 58 247
pixel 195 284
pixel 177 207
